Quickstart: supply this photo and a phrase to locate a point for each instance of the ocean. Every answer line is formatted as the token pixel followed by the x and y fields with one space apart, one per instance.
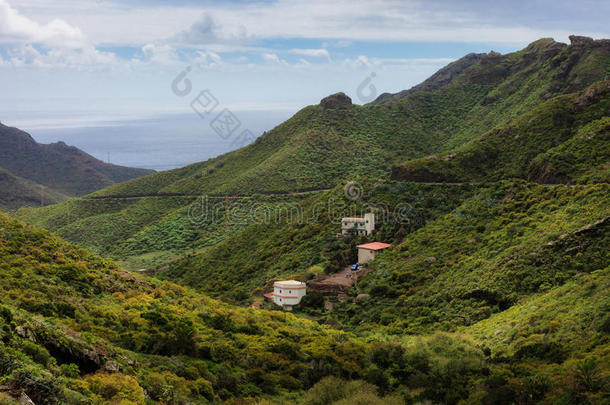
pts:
pixel 159 143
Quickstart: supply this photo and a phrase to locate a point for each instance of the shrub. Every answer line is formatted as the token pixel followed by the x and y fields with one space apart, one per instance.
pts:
pixel 38 353
pixel 70 370
pixel 116 387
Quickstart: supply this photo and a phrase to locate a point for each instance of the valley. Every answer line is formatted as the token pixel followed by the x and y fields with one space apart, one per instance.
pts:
pixel 490 181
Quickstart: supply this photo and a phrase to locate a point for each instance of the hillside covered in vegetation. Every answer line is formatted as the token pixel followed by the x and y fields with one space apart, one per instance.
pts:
pixel 490 180
pixel 78 329
pixel 542 101
pixel 325 143
pixel 563 140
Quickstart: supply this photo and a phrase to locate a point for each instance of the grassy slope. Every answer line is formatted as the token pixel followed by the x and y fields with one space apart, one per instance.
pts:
pixel 562 140
pixel 505 243
pixel 62 305
pixel 561 336
pixel 75 328
pixel 16 192
pixel 298 240
pixel 148 232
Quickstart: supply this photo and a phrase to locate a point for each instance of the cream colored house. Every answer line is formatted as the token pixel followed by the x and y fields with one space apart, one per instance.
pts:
pixel 358 226
pixel 368 251
pixel 288 293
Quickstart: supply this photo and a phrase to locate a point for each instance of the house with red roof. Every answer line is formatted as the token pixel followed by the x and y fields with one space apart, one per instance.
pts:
pixel 368 251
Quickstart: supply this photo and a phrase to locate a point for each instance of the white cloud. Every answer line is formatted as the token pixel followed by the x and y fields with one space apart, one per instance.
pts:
pixel 206 30
pixel 342 20
pixel 16 28
pixel 342 44
pixel 271 58
pixel 318 53
pixel 208 59
pixel 161 54
pixel 28 55
pixel 302 63
pixel 360 62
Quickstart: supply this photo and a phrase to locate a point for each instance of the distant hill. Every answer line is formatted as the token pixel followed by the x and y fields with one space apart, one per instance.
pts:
pixel 324 143
pixel 60 170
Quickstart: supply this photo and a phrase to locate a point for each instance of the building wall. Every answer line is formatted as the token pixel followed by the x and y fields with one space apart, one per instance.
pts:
pixel 365 255
pixel 369 223
pixel 288 296
pixel 364 226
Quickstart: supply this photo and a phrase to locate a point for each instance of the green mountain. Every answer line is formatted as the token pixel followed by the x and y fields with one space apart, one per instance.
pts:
pixel 323 144
pixel 549 91
pixel 563 140
pixel 494 291
pixel 60 170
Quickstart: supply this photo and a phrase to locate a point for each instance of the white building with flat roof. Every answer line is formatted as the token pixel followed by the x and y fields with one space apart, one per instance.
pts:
pixel 358 226
pixel 288 293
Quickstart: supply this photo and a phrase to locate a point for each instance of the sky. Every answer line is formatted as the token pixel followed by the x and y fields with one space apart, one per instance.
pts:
pixel 105 59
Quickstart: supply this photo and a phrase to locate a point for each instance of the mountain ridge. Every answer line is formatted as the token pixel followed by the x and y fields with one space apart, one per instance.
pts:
pixel 459 104
pixel 66 170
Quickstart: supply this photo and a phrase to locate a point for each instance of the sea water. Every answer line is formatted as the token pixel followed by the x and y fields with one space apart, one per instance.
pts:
pixel 159 143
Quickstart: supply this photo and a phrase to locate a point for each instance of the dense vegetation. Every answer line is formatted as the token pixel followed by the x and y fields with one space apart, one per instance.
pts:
pixel 77 329
pixel 508 241
pixel 69 319
pixel 495 289
pixel 57 169
pixel 299 240
pixel 563 140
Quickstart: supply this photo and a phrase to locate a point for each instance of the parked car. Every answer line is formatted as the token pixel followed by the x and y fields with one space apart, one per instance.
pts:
pixel 355 267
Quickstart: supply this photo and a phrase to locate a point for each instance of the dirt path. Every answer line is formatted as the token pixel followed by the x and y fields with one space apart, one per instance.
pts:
pixel 219 196
pixel 341 278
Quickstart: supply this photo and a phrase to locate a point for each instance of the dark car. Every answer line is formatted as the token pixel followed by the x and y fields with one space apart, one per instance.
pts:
pixel 355 267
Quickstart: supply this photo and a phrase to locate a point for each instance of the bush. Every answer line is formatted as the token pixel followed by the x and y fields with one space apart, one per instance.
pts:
pixel 116 387
pixel 38 353
pixel 335 391
pixel 70 370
